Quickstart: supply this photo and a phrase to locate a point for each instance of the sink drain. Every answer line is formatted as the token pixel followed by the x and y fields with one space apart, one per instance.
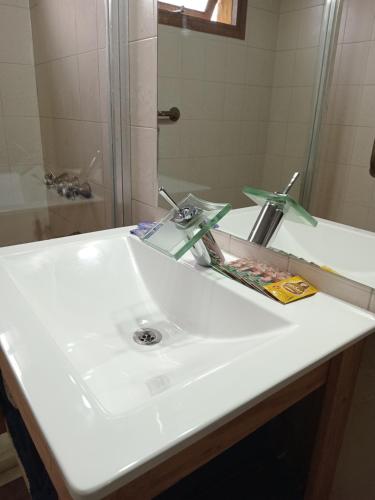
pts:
pixel 147 336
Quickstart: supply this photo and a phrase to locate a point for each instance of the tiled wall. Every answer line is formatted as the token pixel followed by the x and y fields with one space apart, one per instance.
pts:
pixel 20 141
pixel 246 106
pixel 143 107
pixel 345 192
pixel 223 88
pixel 70 48
pixel 294 79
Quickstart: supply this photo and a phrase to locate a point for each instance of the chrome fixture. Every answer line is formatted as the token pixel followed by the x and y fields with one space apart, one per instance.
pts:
pixel 68 185
pixel 172 114
pixel 270 217
pixel 206 251
pixel 147 336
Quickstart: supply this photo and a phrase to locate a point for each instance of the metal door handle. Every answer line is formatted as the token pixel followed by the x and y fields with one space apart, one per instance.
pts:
pixel 173 115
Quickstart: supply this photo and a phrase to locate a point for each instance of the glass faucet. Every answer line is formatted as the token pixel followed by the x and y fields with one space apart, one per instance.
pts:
pixel 188 227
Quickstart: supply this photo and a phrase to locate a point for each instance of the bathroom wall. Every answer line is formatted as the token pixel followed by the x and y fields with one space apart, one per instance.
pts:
pixel 20 140
pixel 246 106
pixel 295 76
pixel 143 108
pixel 223 88
pixel 70 49
pixel 345 192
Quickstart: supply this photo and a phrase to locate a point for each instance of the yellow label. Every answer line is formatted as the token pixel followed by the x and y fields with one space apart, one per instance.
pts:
pixel 328 269
pixel 290 289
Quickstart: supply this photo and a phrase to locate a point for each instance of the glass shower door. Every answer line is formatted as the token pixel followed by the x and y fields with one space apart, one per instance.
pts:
pixel 56 174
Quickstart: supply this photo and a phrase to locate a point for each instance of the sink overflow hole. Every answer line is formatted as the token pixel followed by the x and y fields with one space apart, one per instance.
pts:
pixel 147 336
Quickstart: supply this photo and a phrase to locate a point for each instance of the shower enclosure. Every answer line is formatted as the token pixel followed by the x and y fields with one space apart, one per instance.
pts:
pixel 57 172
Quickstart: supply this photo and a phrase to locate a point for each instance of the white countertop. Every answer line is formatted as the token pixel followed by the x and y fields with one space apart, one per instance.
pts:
pixel 102 439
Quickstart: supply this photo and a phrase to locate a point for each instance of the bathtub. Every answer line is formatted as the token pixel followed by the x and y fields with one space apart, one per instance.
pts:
pixel 347 250
pixel 31 212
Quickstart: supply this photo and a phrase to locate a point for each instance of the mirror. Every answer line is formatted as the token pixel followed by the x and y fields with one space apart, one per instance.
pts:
pixel 254 109
pixel 247 105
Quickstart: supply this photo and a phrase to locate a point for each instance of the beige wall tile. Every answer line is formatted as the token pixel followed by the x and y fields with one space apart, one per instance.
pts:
pixel 89 86
pixel 86 25
pixel 359 21
pixel 15 35
pixel 143 159
pixel 18 90
pixel 23 141
pixel 143 93
pixel 102 20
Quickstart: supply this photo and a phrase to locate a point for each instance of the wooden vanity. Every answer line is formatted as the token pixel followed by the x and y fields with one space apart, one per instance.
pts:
pixel 337 376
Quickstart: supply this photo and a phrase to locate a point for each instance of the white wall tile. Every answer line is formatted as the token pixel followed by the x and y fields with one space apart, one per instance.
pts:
pixel 65 87
pixel 367 109
pixel 142 14
pixel 193 56
pixel 23 141
pixel 89 91
pixel 15 36
pixel 353 63
pixel 310 23
pixel 235 63
pixel 18 90
pixel 102 21
pixel 363 144
pixel 86 25
pixel 360 20
pixel 261 29
pixel 143 93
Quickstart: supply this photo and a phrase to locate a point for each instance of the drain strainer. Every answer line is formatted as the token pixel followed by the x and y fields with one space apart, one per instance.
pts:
pixel 147 336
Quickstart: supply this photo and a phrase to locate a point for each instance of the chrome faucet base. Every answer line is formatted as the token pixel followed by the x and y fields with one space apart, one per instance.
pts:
pixel 270 217
pixel 267 223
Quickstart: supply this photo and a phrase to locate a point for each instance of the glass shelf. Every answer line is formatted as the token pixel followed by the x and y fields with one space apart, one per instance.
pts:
pixel 174 236
pixel 292 209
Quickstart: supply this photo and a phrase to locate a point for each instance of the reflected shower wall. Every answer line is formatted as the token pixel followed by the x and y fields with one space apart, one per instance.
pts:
pixel 246 105
pixel 54 117
pixel 23 209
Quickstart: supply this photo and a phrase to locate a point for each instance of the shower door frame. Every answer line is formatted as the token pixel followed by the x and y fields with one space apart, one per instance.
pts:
pixel 332 15
pixel 118 14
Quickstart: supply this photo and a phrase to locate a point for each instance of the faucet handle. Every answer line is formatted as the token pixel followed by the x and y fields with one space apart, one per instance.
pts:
pixel 168 198
pixel 291 183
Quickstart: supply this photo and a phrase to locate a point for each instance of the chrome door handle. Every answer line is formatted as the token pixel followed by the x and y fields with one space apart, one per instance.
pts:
pixel 173 115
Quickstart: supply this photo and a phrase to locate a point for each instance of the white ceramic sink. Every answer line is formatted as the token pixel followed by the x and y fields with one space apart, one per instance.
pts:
pixel 109 408
pixel 91 298
pixel 347 250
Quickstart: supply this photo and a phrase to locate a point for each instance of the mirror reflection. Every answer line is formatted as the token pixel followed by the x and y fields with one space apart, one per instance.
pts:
pixel 55 164
pixel 285 98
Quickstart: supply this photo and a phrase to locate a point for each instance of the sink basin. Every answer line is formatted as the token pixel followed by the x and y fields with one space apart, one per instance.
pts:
pixel 111 408
pixel 356 263
pixel 92 318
